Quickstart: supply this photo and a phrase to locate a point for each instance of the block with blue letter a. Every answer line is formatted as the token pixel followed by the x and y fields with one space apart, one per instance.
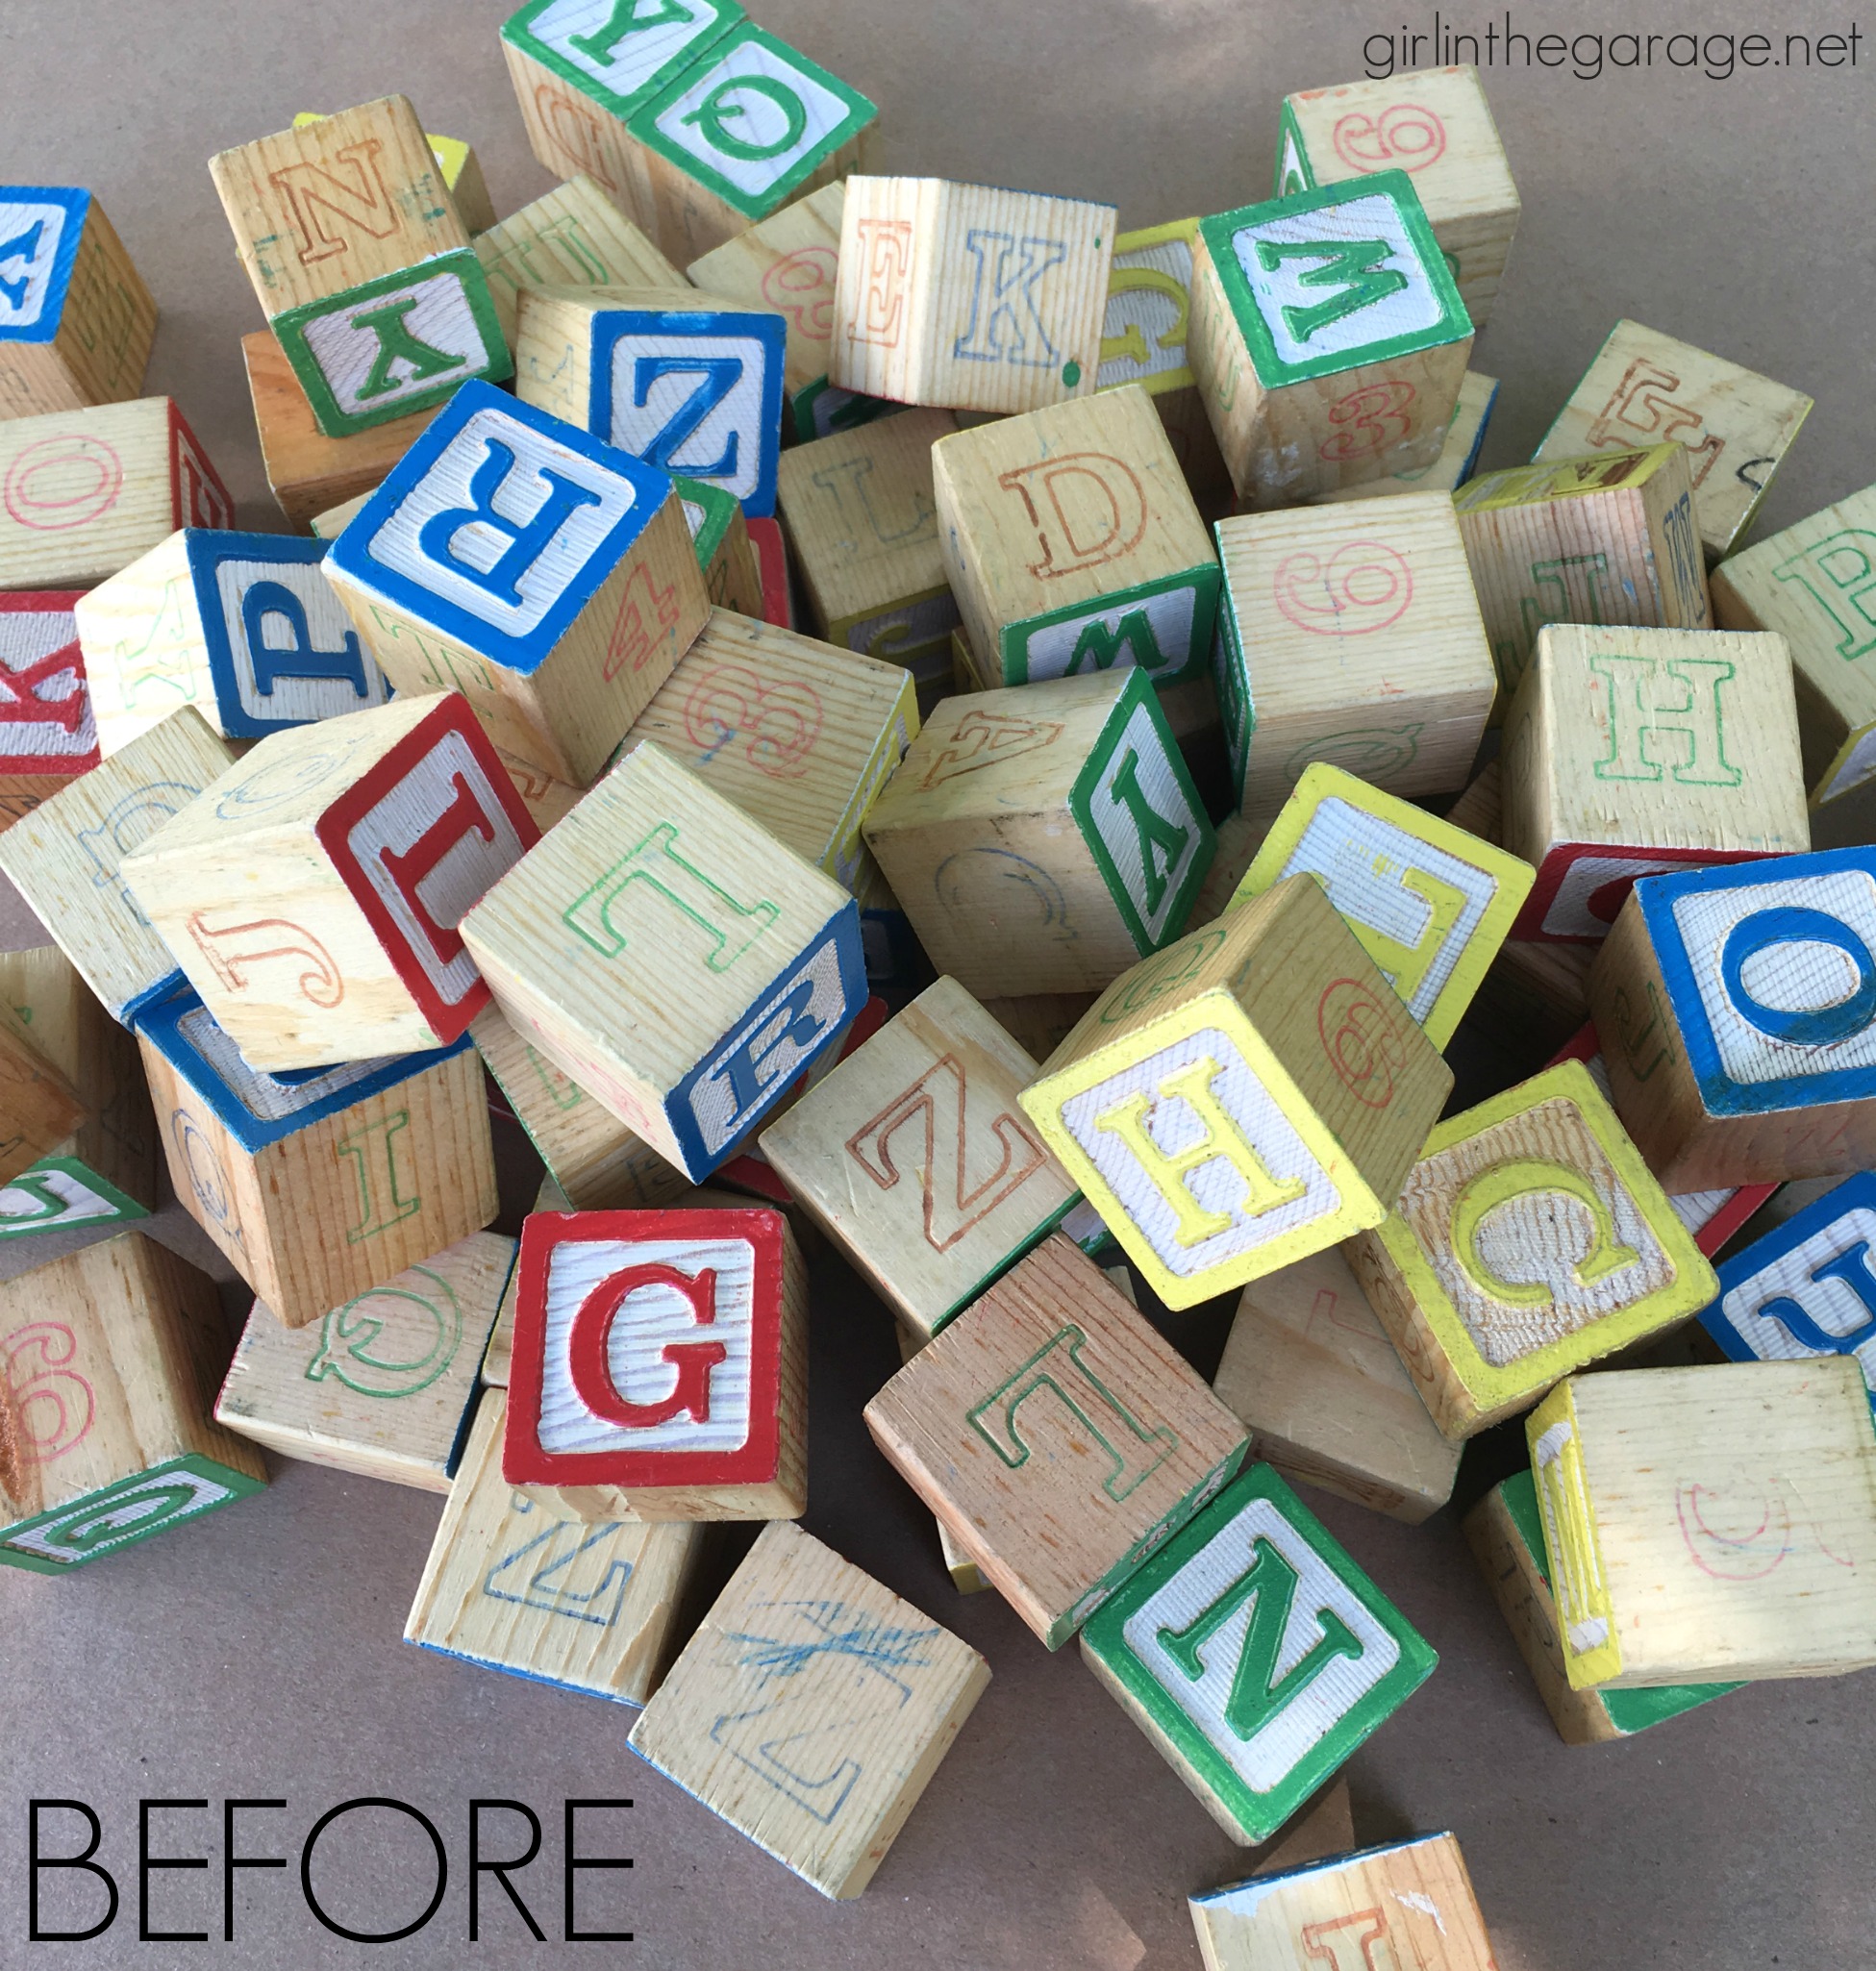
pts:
pixel 686 382
pixel 1736 1007
pixel 1255 1654
pixel 522 561
pixel 671 956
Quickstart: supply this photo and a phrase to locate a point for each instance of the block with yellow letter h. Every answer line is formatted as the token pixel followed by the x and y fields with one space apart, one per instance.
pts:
pixel 1244 1098
pixel 1528 1241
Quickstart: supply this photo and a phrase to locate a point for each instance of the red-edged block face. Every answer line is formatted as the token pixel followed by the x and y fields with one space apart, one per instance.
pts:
pixel 197 496
pixel 1581 885
pixel 419 840
pixel 647 1349
pixel 772 569
pixel 46 725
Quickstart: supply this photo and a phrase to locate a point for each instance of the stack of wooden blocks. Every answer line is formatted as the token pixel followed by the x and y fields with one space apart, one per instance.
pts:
pixel 1182 745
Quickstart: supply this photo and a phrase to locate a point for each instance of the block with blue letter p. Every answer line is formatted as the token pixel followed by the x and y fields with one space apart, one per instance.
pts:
pixel 524 562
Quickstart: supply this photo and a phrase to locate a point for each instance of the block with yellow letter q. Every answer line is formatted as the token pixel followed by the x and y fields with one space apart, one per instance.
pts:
pixel 968 296
pixel 1430 903
pixel 1350 634
pixel 355 249
pixel 1528 1240
pixel 1327 338
pixel 1458 456
pixel 1072 544
pixel 663 1355
pixel 1244 1098
pixel 1057 1436
pixel 1709 1523
pixel 518 559
pixel 1631 752
pixel 672 957
pixel 1255 1654
pixel 318 1186
pixel 112 1354
pixel 48 732
pixel 1040 840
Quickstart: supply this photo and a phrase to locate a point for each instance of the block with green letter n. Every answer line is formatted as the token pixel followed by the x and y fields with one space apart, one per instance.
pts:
pixel 1255 1654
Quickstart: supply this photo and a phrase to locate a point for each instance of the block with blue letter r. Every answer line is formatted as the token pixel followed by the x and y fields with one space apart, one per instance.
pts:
pixel 526 563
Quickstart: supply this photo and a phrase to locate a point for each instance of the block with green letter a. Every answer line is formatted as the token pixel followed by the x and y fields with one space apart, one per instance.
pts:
pixel 1255 1654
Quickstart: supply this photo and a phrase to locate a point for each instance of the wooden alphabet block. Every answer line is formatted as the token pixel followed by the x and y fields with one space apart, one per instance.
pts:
pixel 1073 545
pixel 48 732
pixel 1709 1523
pixel 1435 125
pixel 800 735
pixel 968 296
pixel 1645 387
pixel 1458 456
pixel 1429 904
pixel 1239 838
pixel 1057 1436
pixel 76 321
pixel 590 597
pixel 358 254
pixel 1350 634
pixel 772 567
pixel 1815 585
pixel 1243 1099
pixel 1250 1721
pixel 1505 1532
pixel 966 1577
pixel 499 1352
pixel 318 1187
pixel 66 857
pixel 382 1385
pixel 511 1585
pixel 40 1109
pixel 83 492
pixel 459 167
pixel 107 1358
pixel 1041 839
pixel 756 969
pixel 1611 538
pixel 331 524
pixel 1528 1240
pixel 1327 338
pixel 662 1355
pixel 312 896
pixel 1309 1370
pixel 1041 1021
pixel 687 383
pixel 918 1161
pixel 1409 1902
pixel 719 535
pixel 811 1710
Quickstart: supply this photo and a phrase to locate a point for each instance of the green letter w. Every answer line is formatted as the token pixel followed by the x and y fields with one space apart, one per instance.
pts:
pixel 1351 266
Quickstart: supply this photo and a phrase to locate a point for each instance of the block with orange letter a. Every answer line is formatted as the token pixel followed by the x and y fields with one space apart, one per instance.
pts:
pixel 311 895
pixel 662 1355
pixel 1244 1098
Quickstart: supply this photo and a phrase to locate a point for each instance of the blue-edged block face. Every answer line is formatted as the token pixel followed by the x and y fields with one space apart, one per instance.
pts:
pixel 41 227
pixel 1807 1290
pixel 499 525
pixel 1771 970
pixel 282 650
pixel 693 391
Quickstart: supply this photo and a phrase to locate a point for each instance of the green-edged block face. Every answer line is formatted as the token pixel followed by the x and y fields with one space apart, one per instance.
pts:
pixel 707 510
pixel 1629 1711
pixel 1230 683
pixel 1293 173
pixel 1259 1652
pixel 1332 280
pixel 116 1515
pixel 1142 820
pixel 618 52
pixel 400 343
pixel 1162 628
pixel 750 119
pixel 824 408
pixel 58 1192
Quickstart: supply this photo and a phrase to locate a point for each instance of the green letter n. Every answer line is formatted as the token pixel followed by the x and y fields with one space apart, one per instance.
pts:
pixel 1351 266
pixel 1162 843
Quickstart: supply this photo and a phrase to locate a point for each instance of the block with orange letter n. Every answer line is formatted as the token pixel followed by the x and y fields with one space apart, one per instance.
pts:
pixel 663 1355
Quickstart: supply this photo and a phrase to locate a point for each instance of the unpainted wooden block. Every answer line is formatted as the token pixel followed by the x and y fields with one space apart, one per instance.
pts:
pixel 1458 456
pixel 48 730
pixel 40 1109
pixel 966 1577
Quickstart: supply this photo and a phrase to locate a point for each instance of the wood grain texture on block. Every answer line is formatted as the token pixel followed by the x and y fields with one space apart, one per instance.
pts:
pixel 48 730
pixel 318 1187
pixel 1631 752
pixel 969 296
pixel 719 535
pixel 1041 838
pixel 458 167
pixel 802 1649
pixel 1255 1654
pixel 499 1352
pixel 1041 1021
pixel 559 642
pixel 76 321
pixel 574 237
pixel 1244 1098
pixel 788 262
pixel 1350 634
pixel 83 492
pixel 1709 1523
pixel 1058 1436
pixel 40 1109
pixel 1239 838
pixel 382 1385
pixel 110 1356
pixel 966 1577
pixel 1458 456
